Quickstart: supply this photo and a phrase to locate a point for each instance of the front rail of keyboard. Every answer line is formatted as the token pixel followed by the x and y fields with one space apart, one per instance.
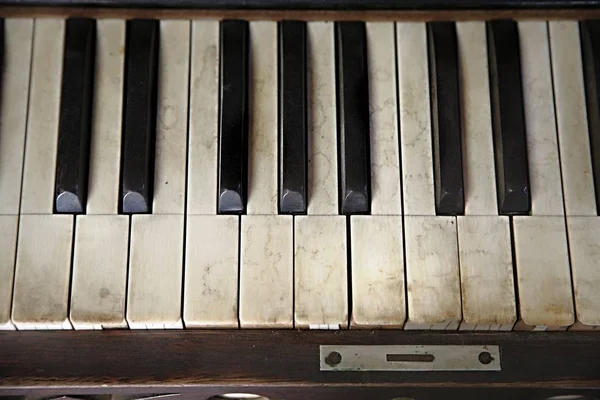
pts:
pixel 287 365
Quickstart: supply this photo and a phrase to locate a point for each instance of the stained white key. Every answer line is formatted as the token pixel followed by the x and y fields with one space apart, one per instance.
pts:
pixel 486 271
pixel 203 119
pixel 262 141
pixel 322 150
pixel 8 242
pixel 377 272
pixel 211 272
pixel 543 276
pixel 13 111
pixel 478 148
pixel 385 158
pixel 105 143
pixel 267 271
pixel 571 118
pixel 584 241
pixel 172 112
pixel 320 282
pixel 415 119
pixel 43 272
pixel 37 194
pixel 540 121
pixel 432 271
pixel 155 272
pixel 99 272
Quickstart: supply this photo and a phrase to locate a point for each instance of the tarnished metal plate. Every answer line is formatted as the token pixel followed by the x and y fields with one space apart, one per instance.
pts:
pixel 410 358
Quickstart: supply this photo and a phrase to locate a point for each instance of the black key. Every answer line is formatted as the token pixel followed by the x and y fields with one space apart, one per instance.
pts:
pixel 75 116
pixel 508 123
pixel 353 117
pixel 233 127
pixel 292 117
pixel 445 117
pixel 590 46
pixel 139 121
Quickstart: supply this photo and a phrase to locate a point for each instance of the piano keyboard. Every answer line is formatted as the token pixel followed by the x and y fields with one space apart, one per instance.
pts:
pixel 321 175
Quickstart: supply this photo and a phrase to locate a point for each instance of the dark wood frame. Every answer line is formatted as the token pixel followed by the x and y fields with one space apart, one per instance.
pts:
pixel 285 364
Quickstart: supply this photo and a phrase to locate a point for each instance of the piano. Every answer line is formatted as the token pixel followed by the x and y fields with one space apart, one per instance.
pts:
pixel 300 199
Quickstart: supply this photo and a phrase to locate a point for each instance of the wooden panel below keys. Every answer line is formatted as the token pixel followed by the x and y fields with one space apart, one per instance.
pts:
pixel 155 272
pixel 320 272
pixel 543 274
pixel 432 272
pixel 43 272
pixel 99 272
pixel 211 272
pixel 486 271
pixel 377 272
pixel 8 242
pixel 267 272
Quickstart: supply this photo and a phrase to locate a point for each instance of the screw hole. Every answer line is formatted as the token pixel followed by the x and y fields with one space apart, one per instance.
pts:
pixel 485 357
pixel 333 359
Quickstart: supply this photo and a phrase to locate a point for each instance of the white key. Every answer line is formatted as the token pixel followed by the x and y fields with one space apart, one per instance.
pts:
pixel 377 272
pixel 322 131
pixel 584 241
pixel 267 271
pixel 540 121
pixel 573 136
pixel 415 119
pixel 204 114
pixel 320 287
pixel 13 111
pixel 385 158
pixel 432 271
pixel 8 242
pixel 543 275
pixel 105 143
pixel 172 112
pixel 43 272
pixel 211 272
pixel 478 147
pixel 541 305
pixel 99 272
pixel 37 195
pixel 486 271
pixel 155 272
pixel 262 141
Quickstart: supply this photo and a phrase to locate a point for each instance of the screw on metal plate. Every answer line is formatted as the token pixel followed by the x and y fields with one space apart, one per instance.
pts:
pixel 410 358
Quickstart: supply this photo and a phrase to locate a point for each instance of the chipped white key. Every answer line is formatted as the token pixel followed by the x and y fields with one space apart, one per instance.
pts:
pixel 543 276
pixel 385 158
pixel 486 271
pixel 541 263
pixel 432 271
pixel 43 272
pixel 8 242
pixel 262 141
pixel 575 156
pixel 155 272
pixel 320 286
pixel 415 119
pixel 14 94
pixel 105 143
pixel 99 272
pixel 172 112
pixel 377 272
pixel 37 193
pixel 322 150
pixel 266 271
pixel 211 272
pixel 204 114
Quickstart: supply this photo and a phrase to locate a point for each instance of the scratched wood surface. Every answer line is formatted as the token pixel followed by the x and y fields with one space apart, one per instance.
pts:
pixel 280 364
